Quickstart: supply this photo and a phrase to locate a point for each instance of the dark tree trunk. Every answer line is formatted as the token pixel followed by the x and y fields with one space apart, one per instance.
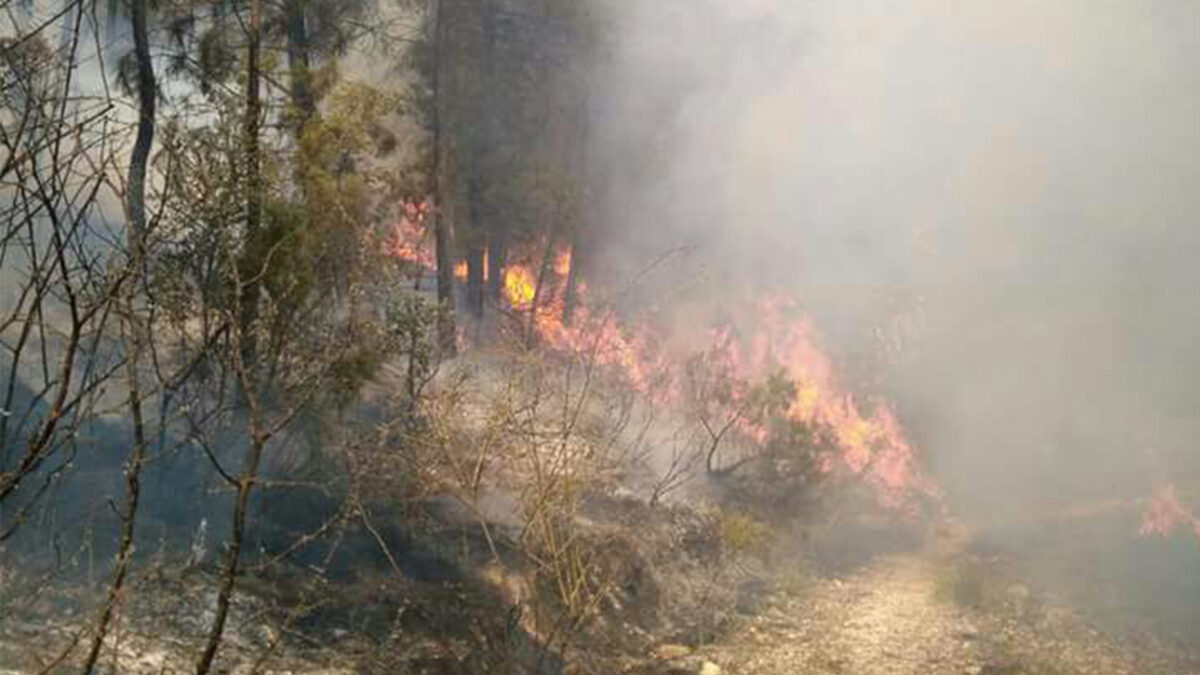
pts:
pixel 233 552
pixel 299 62
pixel 250 268
pixel 540 292
pixel 475 241
pixel 135 199
pixel 497 258
pixel 475 279
pixel 133 473
pixel 135 209
pixel 571 292
pixel 447 333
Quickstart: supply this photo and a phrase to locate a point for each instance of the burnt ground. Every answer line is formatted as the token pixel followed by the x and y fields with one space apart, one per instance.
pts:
pixel 888 619
pixel 944 608
pixel 934 612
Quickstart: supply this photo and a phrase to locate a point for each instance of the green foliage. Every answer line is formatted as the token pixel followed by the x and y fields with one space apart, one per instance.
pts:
pixel 742 534
pixel 410 321
pixel 411 324
pixel 719 392
pixel 350 370
pixel 770 399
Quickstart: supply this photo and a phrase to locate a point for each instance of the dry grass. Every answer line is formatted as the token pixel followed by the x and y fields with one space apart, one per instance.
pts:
pixel 965 582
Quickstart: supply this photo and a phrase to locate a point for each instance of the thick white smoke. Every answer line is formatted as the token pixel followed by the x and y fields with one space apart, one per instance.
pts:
pixel 1012 183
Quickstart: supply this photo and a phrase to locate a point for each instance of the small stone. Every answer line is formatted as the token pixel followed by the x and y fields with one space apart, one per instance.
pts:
pixel 671 652
pixel 974 670
pixel 710 668
pixel 1018 592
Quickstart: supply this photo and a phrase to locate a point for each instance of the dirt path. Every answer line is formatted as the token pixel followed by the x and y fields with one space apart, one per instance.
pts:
pixel 890 619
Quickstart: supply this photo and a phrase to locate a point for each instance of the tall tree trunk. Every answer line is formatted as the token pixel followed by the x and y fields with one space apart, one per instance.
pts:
pixel 475 279
pixel 253 255
pixel 441 228
pixel 135 197
pixel 251 267
pixel 135 210
pixel 497 258
pixel 571 293
pixel 539 289
pixel 299 62
pixel 234 550
pixel 133 489
pixel 475 241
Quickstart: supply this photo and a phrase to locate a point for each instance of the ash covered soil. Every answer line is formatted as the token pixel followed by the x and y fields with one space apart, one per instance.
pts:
pixel 893 617
pixel 933 611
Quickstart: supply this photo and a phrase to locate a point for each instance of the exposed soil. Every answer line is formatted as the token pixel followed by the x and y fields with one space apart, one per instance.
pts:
pixel 890 618
pixel 945 609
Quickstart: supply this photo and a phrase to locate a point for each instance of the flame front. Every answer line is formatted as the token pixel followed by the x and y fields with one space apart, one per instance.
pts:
pixel 869 440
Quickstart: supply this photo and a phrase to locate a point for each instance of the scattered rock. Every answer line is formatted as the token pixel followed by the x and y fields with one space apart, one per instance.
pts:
pixel 670 652
pixel 710 668
pixel 1018 592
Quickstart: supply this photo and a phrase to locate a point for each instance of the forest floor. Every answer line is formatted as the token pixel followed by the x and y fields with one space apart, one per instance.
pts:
pixel 918 612
pixel 933 611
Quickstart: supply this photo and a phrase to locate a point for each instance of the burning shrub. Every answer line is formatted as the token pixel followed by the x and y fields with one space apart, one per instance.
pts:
pixel 730 406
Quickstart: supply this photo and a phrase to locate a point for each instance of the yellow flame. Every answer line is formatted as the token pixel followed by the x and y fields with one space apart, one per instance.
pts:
pixel 519 286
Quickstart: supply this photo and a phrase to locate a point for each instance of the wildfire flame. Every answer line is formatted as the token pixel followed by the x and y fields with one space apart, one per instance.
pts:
pixel 1165 513
pixel 562 264
pixel 869 440
pixel 519 286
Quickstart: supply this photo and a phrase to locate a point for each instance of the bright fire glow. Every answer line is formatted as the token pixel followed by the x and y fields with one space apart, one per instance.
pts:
pixel 869 440
pixel 519 286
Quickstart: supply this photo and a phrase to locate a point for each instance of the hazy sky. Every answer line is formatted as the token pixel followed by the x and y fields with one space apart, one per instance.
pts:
pixel 1016 179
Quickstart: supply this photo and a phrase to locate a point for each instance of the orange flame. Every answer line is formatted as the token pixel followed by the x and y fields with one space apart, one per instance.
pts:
pixel 869 440
pixel 409 240
pixel 1165 513
pixel 562 264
